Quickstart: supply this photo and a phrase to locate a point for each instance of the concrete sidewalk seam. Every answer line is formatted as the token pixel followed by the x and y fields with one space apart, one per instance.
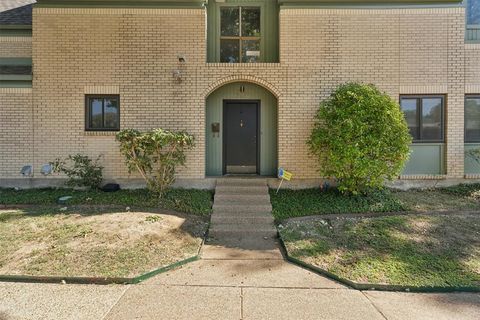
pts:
pixel 241 303
pixel 116 302
pixel 373 305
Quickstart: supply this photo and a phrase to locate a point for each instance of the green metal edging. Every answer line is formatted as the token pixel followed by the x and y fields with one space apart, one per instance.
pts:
pixel 372 286
pixel 95 280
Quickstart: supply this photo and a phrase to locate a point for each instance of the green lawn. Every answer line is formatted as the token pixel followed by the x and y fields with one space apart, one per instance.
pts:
pixel 183 200
pixel 411 250
pixel 297 203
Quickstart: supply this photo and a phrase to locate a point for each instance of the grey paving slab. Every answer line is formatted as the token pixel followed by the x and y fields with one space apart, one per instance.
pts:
pixel 269 273
pixel 164 302
pixel 220 252
pixel 307 304
pixel 60 302
pixel 405 306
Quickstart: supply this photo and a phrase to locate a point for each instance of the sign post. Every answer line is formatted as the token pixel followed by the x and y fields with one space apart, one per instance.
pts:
pixel 284 175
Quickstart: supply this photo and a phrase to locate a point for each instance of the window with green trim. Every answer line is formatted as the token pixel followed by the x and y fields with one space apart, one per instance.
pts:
pixel 102 113
pixel 240 34
pixel 424 116
pixel 472 118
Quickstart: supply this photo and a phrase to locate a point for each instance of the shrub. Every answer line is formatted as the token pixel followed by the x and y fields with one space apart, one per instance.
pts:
pixel 155 155
pixel 360 138
pixel 81 170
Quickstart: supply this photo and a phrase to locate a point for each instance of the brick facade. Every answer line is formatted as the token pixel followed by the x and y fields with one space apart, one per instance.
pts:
pixel 133 52
pixel 16 130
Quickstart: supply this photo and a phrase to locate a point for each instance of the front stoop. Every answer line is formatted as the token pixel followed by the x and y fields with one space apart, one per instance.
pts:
pixel 242 225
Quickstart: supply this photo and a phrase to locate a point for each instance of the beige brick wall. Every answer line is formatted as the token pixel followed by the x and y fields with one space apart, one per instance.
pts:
pixel 403 51
pixel 16 131
pixel 134 51
pixel 472 68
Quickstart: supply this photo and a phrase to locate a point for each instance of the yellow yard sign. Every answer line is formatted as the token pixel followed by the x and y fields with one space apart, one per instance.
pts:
pixel 284 175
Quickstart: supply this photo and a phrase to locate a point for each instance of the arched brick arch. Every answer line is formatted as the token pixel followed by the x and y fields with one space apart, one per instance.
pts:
pixel 241 78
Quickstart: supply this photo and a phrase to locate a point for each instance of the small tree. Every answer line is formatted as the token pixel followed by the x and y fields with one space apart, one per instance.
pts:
pixel 81 170
pixel 360 138
pixel 155 155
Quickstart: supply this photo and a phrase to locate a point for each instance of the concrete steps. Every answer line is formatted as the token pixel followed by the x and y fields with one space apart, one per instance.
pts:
pixel 239 182
pixel 242 219
pixel 239 209
pixel 242 189
pixel 241 198
pixel 219 234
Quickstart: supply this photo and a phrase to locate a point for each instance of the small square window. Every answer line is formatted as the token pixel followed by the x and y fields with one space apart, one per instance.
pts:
pixel 424 116
pixel 102 113
pixel 240 34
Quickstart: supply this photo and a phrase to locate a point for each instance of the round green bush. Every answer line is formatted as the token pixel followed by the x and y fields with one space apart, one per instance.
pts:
pixel 360 138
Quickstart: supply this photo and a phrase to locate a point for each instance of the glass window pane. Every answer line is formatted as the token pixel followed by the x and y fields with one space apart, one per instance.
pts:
pixel 230 21
pixel 229 51
pixel 409 107
pixel 432 119
pixel 111 114
pixel 250 51
pixel 473 12
pixel 250 22
pixel 96 113
pixel 472 119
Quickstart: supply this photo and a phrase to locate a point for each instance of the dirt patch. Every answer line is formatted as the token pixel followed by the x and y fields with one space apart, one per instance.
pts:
pixel 114 244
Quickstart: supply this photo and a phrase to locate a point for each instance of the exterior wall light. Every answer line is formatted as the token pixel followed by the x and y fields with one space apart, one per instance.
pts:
pixel 181 59
pixel 46 169
pixel 27 171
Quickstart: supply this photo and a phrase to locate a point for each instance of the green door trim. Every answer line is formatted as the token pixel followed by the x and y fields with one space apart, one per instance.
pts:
pixel 267 126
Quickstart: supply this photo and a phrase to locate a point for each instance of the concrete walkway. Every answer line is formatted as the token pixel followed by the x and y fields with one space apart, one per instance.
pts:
pixel 242 276
pixel 229 289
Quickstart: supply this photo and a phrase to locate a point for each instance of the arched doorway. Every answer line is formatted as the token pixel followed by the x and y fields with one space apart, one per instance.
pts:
pixel 241 130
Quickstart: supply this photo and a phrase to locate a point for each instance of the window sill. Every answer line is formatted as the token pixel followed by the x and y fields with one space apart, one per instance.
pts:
pixel 423 177
pixel 472 176
pixel 241 65
pixel 100 133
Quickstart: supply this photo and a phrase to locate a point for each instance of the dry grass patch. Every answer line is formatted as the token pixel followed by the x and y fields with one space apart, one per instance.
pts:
pixel 410 250
pixel 95 243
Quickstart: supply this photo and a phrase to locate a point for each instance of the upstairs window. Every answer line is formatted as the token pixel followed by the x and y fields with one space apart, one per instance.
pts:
pixel 240 34
pixel 473 12
pixel 424 117
pixel 102 113
pixel 472 119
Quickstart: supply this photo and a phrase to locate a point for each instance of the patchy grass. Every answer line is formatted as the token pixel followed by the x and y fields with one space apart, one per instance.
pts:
pixel 50 242
pixel 411 250
pixel 296 203
pixel 182 200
